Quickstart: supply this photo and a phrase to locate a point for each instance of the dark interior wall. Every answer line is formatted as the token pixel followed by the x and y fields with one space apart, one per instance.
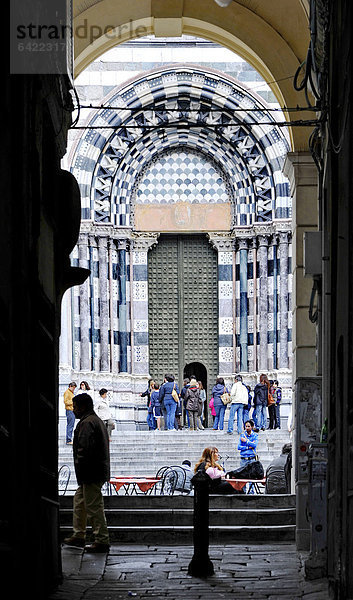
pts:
pixel 338 296
pixel 40 216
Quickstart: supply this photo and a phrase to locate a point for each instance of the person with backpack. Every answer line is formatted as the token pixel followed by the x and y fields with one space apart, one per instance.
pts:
pixel 193 403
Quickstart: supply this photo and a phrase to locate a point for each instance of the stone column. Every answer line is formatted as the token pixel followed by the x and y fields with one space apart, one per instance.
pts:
pixel 103 303
pixel 254 310
pixel 140 244
pixel 114 306
pixel 283 240
pixel 263 301
pixel 65 340
pixel 301 172
pixel 122 307
pixel 225 246
pixel 85 320
pixel 243 334
pixel 94 301
pixel 273 304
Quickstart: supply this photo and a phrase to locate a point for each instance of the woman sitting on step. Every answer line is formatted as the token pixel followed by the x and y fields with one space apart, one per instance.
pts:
pixel 208 463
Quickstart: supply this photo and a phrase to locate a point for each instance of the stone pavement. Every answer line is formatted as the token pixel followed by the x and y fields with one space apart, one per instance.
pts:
pixel 242 571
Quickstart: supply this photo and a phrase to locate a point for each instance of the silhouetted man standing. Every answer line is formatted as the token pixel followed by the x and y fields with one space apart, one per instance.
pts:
pixel 92 467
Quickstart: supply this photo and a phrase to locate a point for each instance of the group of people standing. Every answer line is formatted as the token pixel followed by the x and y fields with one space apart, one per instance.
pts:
pixel 179 408
pixel 267 395
pixel 186 408
pixel 173 409
pixel 101 408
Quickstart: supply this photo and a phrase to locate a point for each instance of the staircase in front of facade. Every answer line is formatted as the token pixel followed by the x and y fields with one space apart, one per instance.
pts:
pixel 164 520
pixel 142 453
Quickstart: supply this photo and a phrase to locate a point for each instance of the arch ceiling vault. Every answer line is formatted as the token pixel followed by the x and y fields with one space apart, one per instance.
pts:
pixel 272 36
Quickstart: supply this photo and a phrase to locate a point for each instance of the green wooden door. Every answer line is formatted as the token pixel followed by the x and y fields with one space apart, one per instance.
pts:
pixel 183 306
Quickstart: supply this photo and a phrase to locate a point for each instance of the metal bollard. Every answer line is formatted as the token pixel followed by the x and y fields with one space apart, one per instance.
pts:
pixel 201 565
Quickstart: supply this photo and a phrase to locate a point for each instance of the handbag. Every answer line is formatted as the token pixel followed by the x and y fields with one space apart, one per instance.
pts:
pixel 226 399
pixel 175 394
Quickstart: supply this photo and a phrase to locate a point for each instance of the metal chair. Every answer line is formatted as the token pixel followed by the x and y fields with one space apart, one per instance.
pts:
pixel 169 481
pixel 160 475
pixel 64 475
pixel 180 485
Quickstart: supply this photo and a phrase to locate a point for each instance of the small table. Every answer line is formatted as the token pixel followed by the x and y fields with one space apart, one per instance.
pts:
pixel 239 484
pixel 132 484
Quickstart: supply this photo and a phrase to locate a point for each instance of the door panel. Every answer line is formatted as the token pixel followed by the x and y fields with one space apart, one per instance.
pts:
pixel 183 306
pixel 163 307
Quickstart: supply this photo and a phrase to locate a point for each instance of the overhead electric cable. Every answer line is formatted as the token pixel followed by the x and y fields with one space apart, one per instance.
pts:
pixel 298 123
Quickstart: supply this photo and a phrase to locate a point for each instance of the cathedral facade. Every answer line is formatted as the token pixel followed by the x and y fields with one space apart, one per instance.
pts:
pixel 186 231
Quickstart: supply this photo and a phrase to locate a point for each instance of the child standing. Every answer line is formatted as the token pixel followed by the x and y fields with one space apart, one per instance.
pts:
pixel 155 405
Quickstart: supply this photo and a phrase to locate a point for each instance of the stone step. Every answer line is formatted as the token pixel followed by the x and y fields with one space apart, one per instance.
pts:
pixel 144 452
pixel 161 517
pixel 238 501
pixel 183 535
pixel 168 520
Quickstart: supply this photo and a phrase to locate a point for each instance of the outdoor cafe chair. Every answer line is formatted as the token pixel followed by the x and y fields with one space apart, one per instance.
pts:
pixel 63 479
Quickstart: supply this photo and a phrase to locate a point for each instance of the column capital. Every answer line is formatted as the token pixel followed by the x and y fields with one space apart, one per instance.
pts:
pixel 263 240
pixel 273 240
pixel 143 242
pixel 283 237
pixel 253 243
pixel 242 244
pixel 82 240
pixel 121 243
pixel 102 241
pixel 93 240
pixel 221 241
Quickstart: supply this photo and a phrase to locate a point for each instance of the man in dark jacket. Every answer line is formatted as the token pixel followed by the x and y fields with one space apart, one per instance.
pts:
pixel 92 467
pixel 261 402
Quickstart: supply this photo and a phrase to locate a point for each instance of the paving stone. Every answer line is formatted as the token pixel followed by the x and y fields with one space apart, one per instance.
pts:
pixel 160 572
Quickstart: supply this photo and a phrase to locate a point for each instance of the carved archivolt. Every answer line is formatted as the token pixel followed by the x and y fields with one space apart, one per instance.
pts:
pixel 185 110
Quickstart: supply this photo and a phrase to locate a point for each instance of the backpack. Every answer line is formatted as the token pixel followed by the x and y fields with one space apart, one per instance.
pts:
pixel 253 470
pixel 276 480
